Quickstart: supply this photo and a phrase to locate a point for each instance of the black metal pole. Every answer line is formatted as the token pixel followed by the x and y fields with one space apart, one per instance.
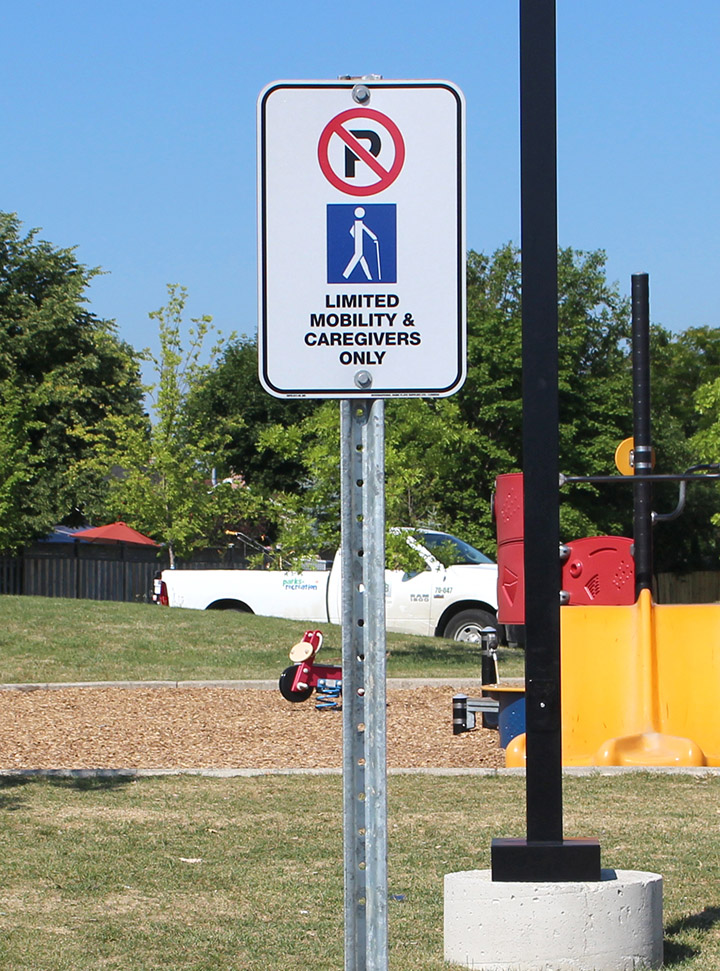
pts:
pixel 544 855
pixel 642 444
pixel 540 418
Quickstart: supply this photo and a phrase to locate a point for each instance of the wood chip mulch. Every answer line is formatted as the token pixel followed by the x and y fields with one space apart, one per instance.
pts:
pixel 213 727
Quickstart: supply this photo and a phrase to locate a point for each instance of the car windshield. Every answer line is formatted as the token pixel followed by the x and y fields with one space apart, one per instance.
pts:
pixel 452 551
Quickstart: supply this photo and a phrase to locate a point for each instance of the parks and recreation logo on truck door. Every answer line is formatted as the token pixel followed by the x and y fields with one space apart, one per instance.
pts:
pixel 361 238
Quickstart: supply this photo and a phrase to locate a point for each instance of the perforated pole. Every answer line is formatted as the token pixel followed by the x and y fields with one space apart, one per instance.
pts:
pixel 362 468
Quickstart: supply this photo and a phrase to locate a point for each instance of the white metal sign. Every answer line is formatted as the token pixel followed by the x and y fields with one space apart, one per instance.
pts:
pixel 361 191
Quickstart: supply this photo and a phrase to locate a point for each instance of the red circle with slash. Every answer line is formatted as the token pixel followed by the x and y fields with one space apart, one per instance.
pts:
pixel 386 177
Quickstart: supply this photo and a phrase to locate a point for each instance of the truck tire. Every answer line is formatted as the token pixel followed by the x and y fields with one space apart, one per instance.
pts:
pixel 234 606
pixel 466 625
pixel 285 685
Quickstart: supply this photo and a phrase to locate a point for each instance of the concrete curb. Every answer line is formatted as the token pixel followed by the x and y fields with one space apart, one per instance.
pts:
pixel 260 684
pixel 578 771
pixel 123 685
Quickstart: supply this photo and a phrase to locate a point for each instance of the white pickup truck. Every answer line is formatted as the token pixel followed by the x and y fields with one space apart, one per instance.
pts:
pixel 454 601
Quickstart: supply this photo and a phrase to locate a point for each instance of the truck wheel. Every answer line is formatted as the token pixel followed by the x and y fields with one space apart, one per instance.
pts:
pixel 285 685
pixel 466 625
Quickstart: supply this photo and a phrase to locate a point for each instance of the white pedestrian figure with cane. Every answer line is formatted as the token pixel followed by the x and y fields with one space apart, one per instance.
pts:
pixel 357 231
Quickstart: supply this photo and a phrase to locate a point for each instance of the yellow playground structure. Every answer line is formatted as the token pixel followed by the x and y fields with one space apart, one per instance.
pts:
pixel 640 681
pixel 640 685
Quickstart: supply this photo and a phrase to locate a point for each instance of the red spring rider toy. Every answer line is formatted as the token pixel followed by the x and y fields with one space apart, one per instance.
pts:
pixel 298 681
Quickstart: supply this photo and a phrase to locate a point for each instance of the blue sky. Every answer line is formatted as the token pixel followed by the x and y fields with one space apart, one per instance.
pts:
pixel 129 132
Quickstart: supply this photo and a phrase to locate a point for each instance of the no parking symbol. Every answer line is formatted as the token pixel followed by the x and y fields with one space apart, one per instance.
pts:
pixel 352 155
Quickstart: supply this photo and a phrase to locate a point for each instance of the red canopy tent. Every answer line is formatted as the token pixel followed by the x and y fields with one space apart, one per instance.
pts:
pixel 115 533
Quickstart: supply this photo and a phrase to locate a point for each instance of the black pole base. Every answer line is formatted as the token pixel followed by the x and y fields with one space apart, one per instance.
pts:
pixel 545 861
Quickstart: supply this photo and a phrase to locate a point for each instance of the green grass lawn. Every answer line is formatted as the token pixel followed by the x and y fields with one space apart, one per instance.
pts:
pixel 192 874
pixel 45 639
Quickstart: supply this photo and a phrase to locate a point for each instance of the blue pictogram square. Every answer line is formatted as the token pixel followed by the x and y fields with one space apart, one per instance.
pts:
pixel 362 243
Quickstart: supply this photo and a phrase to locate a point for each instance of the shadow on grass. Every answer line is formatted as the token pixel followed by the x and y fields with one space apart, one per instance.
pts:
pixel 11 801
pixel 450 652
pixel 102 780
pixel 102 783
pixel 676 952
pixel 430 651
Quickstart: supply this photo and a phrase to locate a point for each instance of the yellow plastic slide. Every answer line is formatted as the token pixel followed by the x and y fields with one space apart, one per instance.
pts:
pixel 640 685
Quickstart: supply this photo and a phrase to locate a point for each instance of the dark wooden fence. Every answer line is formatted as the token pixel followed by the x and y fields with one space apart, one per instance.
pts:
pixel 97 572
pixel 93 571
pixel 689 588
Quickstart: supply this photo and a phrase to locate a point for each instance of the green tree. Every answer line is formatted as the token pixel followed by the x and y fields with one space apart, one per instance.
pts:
pixel 595 398
pixel 65 379
pixel 684 367
pixel 707 438
pixel 231 405
pixel 164 482
pixel 418 437
pixel 594 388
pixel 15 463
pixel 443 455
pixel 705 444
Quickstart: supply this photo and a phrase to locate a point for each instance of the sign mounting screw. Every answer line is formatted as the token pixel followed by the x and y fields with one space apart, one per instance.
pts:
pixel 361 94
pixel 363 380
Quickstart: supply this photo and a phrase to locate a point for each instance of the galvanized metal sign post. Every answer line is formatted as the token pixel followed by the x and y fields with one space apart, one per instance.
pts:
pixel 362 470
pixel 362 297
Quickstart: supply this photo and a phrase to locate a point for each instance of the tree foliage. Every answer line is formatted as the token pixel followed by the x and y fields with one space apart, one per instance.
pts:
pixel 66 381
pixel 235 411
pixel 164 482
pixel 684 367
pixel 443 455
pixel 594 389
pixel 705 441
pixel 218 455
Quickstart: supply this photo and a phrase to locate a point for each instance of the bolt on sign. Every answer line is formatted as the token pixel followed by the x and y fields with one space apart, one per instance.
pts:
pixel 361 191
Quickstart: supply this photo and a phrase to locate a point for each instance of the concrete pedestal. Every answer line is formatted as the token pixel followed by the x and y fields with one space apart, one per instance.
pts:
pixel 614 924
